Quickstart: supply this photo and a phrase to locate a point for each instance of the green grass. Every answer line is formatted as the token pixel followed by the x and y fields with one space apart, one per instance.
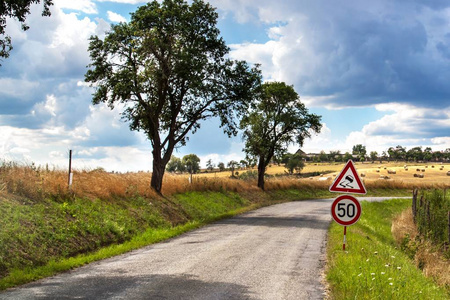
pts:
pixel 432 209
pixel 373 267
pixel 41 239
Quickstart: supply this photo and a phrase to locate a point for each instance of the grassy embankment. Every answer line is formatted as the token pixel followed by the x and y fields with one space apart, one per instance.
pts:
pixel 45 228
pixel 373 265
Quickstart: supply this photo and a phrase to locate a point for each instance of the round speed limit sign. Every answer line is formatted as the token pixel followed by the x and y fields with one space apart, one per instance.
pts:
pixel 346 210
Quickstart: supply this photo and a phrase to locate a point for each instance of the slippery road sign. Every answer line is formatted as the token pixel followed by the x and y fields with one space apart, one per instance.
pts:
pixel 348 181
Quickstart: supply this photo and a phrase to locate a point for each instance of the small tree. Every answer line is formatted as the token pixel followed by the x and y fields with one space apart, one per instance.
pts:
pixel 360 151
pixel 427 154
pixel 373 155
pixel 334 155
pixel 293 162
pixel 192 164
pixel 323 157
pixel 232 165
pixel 172 165
pixel 175 165
pixel 277 120
pixel 243 164
pixel 209 165
pixel 347 156
pixel 221 166
pixel 169 68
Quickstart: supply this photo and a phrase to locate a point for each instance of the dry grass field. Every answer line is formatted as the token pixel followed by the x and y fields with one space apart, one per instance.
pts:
pixel 36 183
pixel 370 172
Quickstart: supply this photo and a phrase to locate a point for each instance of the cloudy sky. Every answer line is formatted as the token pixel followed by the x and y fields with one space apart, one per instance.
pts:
pixel 378 72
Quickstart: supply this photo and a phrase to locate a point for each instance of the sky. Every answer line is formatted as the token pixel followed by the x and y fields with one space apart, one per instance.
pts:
pixel 378 72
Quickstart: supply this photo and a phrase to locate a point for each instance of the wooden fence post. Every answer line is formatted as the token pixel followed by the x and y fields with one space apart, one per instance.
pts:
pixel 69 181
pixel 414 204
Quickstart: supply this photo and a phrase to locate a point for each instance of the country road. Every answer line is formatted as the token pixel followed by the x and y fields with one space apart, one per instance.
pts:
pixel 276 252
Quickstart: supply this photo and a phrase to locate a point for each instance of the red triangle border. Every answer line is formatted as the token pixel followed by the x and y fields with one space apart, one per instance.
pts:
pixel 336 189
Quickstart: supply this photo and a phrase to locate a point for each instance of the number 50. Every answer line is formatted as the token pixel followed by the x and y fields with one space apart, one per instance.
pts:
pixel 346 209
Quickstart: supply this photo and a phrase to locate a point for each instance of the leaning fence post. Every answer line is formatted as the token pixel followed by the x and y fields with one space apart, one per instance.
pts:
pixel 70 177
pixel 414 204
pixel 448 227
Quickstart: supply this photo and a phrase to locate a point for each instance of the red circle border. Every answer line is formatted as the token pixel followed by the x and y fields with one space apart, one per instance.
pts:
pixel 336 218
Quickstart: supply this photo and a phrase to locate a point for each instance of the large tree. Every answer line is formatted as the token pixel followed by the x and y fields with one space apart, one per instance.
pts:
pixel 17 10
pixel 168 66
pixel 277 120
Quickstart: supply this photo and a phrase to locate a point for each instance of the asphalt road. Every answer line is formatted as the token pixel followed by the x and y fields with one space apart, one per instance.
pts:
pixel 276 252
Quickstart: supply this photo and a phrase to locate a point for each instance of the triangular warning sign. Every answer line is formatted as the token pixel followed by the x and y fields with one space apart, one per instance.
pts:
pixel 348 181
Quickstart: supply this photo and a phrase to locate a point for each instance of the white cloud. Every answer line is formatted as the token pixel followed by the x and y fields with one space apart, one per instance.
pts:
pixel 86 6
pixel 385 51
pixel 408 126
pixel 114 17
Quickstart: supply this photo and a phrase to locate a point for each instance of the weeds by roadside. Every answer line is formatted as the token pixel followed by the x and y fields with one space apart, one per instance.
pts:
pixel 373 267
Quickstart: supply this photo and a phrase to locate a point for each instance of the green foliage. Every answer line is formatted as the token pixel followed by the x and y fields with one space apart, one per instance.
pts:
pixel 175 165
pixel 432 209
pixel 277 120
pixel 293 162
pixel 41 239
pixel 17 10
pixel 31 235
pixel 169 65
pixel 360 151
pixel 232 165
pixel 209 205
pixel 373 155
pixel 210 165
pixel 191 163
pixel 248 175
pixel 372 267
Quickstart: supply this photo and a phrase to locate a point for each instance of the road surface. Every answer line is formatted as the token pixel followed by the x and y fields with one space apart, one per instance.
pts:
pixel 276 252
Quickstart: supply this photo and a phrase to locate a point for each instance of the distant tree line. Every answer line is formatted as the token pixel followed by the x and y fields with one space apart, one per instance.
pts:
pixel 398 153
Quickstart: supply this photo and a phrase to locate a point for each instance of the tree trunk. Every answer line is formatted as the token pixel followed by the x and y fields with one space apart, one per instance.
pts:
pixel 261 172
pixel 157 175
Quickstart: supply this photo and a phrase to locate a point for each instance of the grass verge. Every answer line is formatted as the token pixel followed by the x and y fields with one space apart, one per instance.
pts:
pixel 373 267
pixel 41 239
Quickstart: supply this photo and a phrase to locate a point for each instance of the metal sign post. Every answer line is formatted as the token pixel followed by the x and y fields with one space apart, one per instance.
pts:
pixel 346 211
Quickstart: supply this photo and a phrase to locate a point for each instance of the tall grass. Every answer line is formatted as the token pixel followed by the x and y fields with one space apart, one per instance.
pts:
pixel 431 209
pixel 373 266
pixel 37 183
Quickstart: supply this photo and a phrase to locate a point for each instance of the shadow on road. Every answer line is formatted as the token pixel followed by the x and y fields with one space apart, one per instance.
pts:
pixel 306 221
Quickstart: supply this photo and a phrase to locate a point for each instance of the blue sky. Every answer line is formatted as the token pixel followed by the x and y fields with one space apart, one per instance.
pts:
pixel 377 72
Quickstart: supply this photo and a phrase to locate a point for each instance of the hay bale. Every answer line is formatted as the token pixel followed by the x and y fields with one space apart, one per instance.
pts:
pixel 378 171
pixel 392 172
pixel 416 175
pixel 417 170
pixel 421 176
pixel 406 169
pixel 384 177
pixel 448 173
pixel 423 170
pixel 363 174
